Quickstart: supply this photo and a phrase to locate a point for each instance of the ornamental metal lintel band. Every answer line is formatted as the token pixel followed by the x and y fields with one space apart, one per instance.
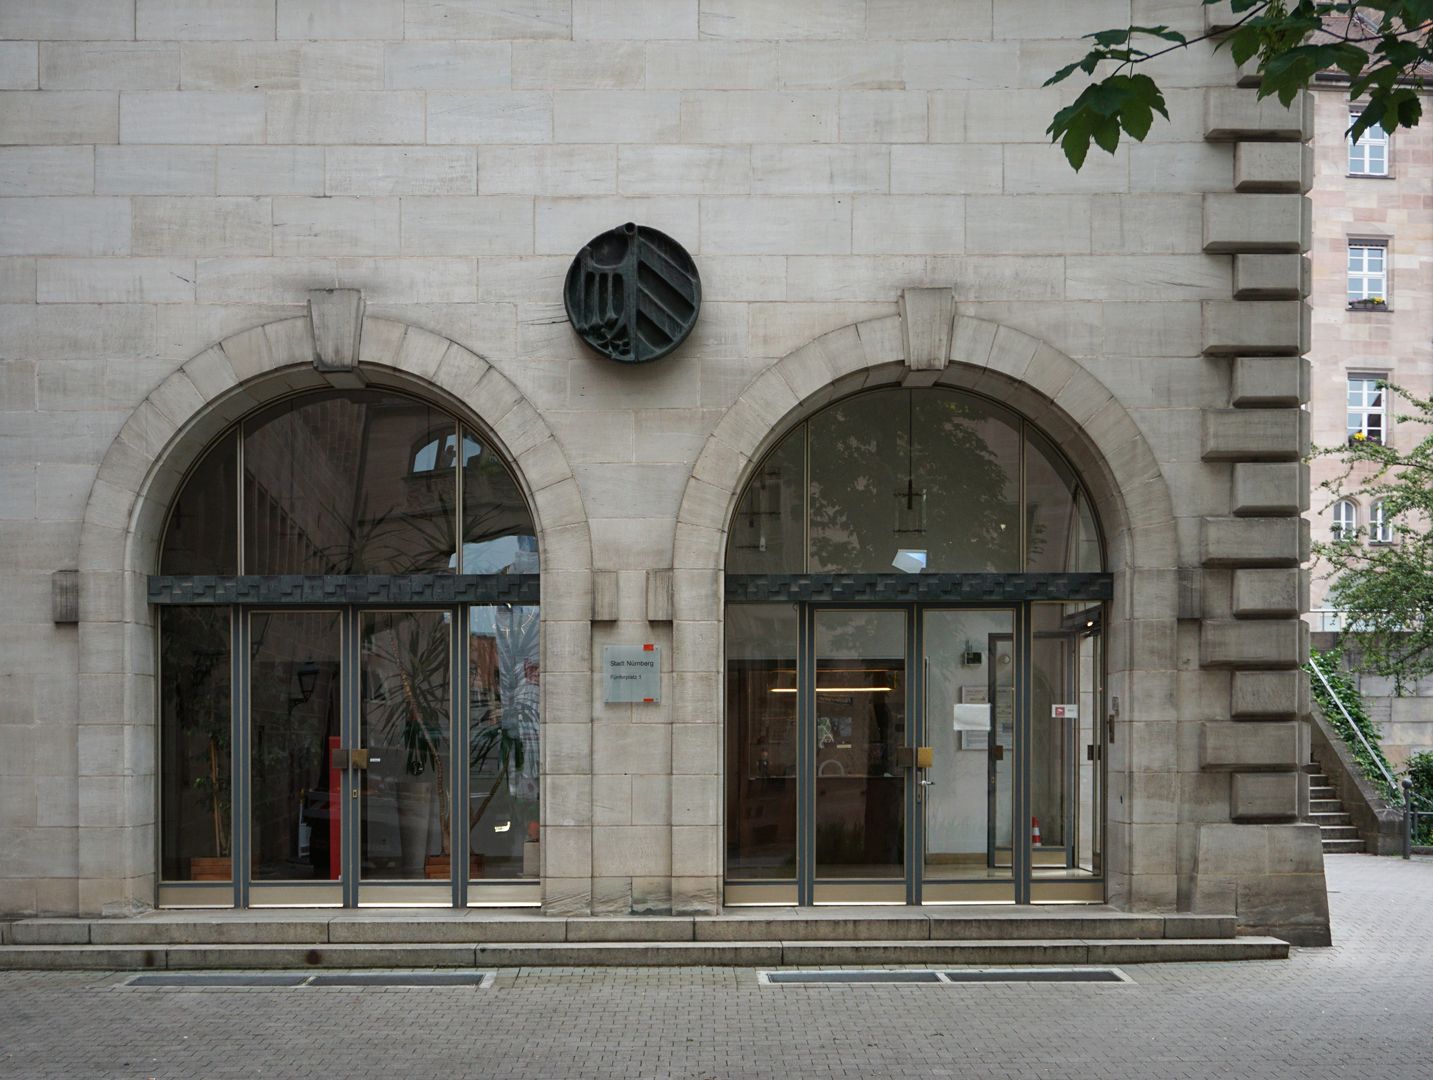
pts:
pixel 792 588
pixel 280 589
pixel 633 294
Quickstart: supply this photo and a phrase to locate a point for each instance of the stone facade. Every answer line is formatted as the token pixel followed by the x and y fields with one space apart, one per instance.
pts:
pixel 870 198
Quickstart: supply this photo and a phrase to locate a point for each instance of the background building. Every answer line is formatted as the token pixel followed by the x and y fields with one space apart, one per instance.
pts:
pixel 1373 237
pixel 210 210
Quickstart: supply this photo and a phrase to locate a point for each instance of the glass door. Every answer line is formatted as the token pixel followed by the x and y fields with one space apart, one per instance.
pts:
pixel 293 779
pixel 1067 752
pixel 857 706
pixel 346 734
pixel 403 758
pixel 967 793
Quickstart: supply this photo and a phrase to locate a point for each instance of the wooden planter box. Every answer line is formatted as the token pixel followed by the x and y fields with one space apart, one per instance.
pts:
pixel 440 867
pixel 211 868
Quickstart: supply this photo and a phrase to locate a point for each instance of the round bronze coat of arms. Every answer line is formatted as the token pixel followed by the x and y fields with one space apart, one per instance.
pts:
pixel 633 294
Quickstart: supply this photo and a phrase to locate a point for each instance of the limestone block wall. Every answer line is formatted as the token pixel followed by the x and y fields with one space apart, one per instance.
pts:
pixel 177 173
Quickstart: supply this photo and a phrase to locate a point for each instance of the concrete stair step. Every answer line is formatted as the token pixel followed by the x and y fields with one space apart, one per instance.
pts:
pixel 1325 819
pixel 1342 847
pixel 1338 832
pixel 1322 792
pixel 1325 806
pixel 399 928
pixel 636 954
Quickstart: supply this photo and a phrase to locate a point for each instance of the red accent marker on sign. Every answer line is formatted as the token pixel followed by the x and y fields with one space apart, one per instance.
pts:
pixel 648 699
pixel 648 648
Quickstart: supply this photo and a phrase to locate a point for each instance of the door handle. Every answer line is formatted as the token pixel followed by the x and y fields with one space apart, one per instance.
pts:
pixel 997 752
pixel 351 759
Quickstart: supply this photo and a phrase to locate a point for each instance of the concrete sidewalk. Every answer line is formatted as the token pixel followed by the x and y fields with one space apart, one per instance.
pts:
pixel 1360 1009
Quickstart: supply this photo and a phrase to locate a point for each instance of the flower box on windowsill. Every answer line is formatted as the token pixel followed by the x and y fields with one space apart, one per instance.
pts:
pixel 1368 305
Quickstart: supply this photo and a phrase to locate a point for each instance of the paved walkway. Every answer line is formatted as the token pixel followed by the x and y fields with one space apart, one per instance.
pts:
pixel 1363 1009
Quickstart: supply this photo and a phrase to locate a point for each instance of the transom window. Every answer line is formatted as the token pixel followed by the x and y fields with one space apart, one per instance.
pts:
pixel 1369 155
pixel 1367 270
pixel 1367 408
pixel 1380 527
pixel 1345 520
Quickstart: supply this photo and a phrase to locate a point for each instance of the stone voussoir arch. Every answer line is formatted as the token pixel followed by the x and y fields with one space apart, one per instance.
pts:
pixel 125 514
pixel 925 344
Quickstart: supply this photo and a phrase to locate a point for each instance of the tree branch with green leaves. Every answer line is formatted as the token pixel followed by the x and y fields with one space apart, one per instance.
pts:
pixel 1382 46
pixel 1385 590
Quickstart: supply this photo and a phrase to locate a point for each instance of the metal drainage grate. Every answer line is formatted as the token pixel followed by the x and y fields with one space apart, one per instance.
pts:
pixel 479 979
pixel 967 976
pixel 814 977
pixel 201 978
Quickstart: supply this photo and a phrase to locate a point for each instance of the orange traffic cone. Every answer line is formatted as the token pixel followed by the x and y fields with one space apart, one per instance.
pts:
pixel 1035 832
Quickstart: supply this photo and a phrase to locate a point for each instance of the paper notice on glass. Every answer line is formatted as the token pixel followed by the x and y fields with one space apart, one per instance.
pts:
pixel 972 717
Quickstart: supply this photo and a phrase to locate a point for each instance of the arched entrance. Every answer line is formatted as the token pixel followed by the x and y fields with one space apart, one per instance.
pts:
pixel 349 663
pixel 258 373
pixel 915 673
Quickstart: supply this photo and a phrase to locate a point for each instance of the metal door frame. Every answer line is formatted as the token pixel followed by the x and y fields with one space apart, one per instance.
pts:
pixel 1023 884
pixel 351 889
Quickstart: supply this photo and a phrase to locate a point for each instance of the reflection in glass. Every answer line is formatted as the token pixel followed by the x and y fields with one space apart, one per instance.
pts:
pixel 761 741
pixel 339 483
pixel 196 791
pixel 498 533
pixel 202 536
pixel 296 798
pixel 405 723
pixel 1065 738
pixel 503 743
pixel 860 712
pixel 927 469
pixel 970 681
pixel 1059 525
pixel 768 533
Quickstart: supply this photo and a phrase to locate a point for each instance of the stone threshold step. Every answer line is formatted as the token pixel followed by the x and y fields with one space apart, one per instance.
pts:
pixel 392 928
pixel 635 954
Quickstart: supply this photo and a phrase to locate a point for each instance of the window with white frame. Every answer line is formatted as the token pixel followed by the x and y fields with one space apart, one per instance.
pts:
pixel 1367 408
pixel 1345 520
pixel 1380 529
pixel 1367 270
pixel 1369 155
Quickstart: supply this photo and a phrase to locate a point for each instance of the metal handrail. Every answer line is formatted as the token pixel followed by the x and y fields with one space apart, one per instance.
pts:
pixel 1393 784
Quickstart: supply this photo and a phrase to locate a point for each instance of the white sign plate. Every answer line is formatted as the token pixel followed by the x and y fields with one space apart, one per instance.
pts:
pixel 631 673
pixel 1064 712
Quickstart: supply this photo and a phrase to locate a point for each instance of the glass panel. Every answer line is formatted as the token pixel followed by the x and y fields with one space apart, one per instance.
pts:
pixel 859 463
pixel 761 747
pixel 498 533
pixel 860 710
pixel 1052 518
pixel 929 470
pixel 970 677
pixel 296 798
pixel 344 483
pixel 768 531
pixel 1064 724
pixel 202 536
pixel 503 747
pixel 405 723
pixel 195 742
pixel 967 464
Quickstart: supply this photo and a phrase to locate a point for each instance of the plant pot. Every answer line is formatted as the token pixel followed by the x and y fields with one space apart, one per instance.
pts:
pixel 211 868
pixel 440 867
pixel 415 812
pixel 1367 305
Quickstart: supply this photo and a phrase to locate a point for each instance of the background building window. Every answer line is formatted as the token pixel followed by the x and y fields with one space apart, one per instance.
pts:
pixel 1380 529
pixel 1369 155
pixel 1367 408
pixel 1367 270
pixel 1345 520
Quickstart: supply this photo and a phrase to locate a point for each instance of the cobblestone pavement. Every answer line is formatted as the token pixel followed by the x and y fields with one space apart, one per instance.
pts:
pixel 1362 1009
